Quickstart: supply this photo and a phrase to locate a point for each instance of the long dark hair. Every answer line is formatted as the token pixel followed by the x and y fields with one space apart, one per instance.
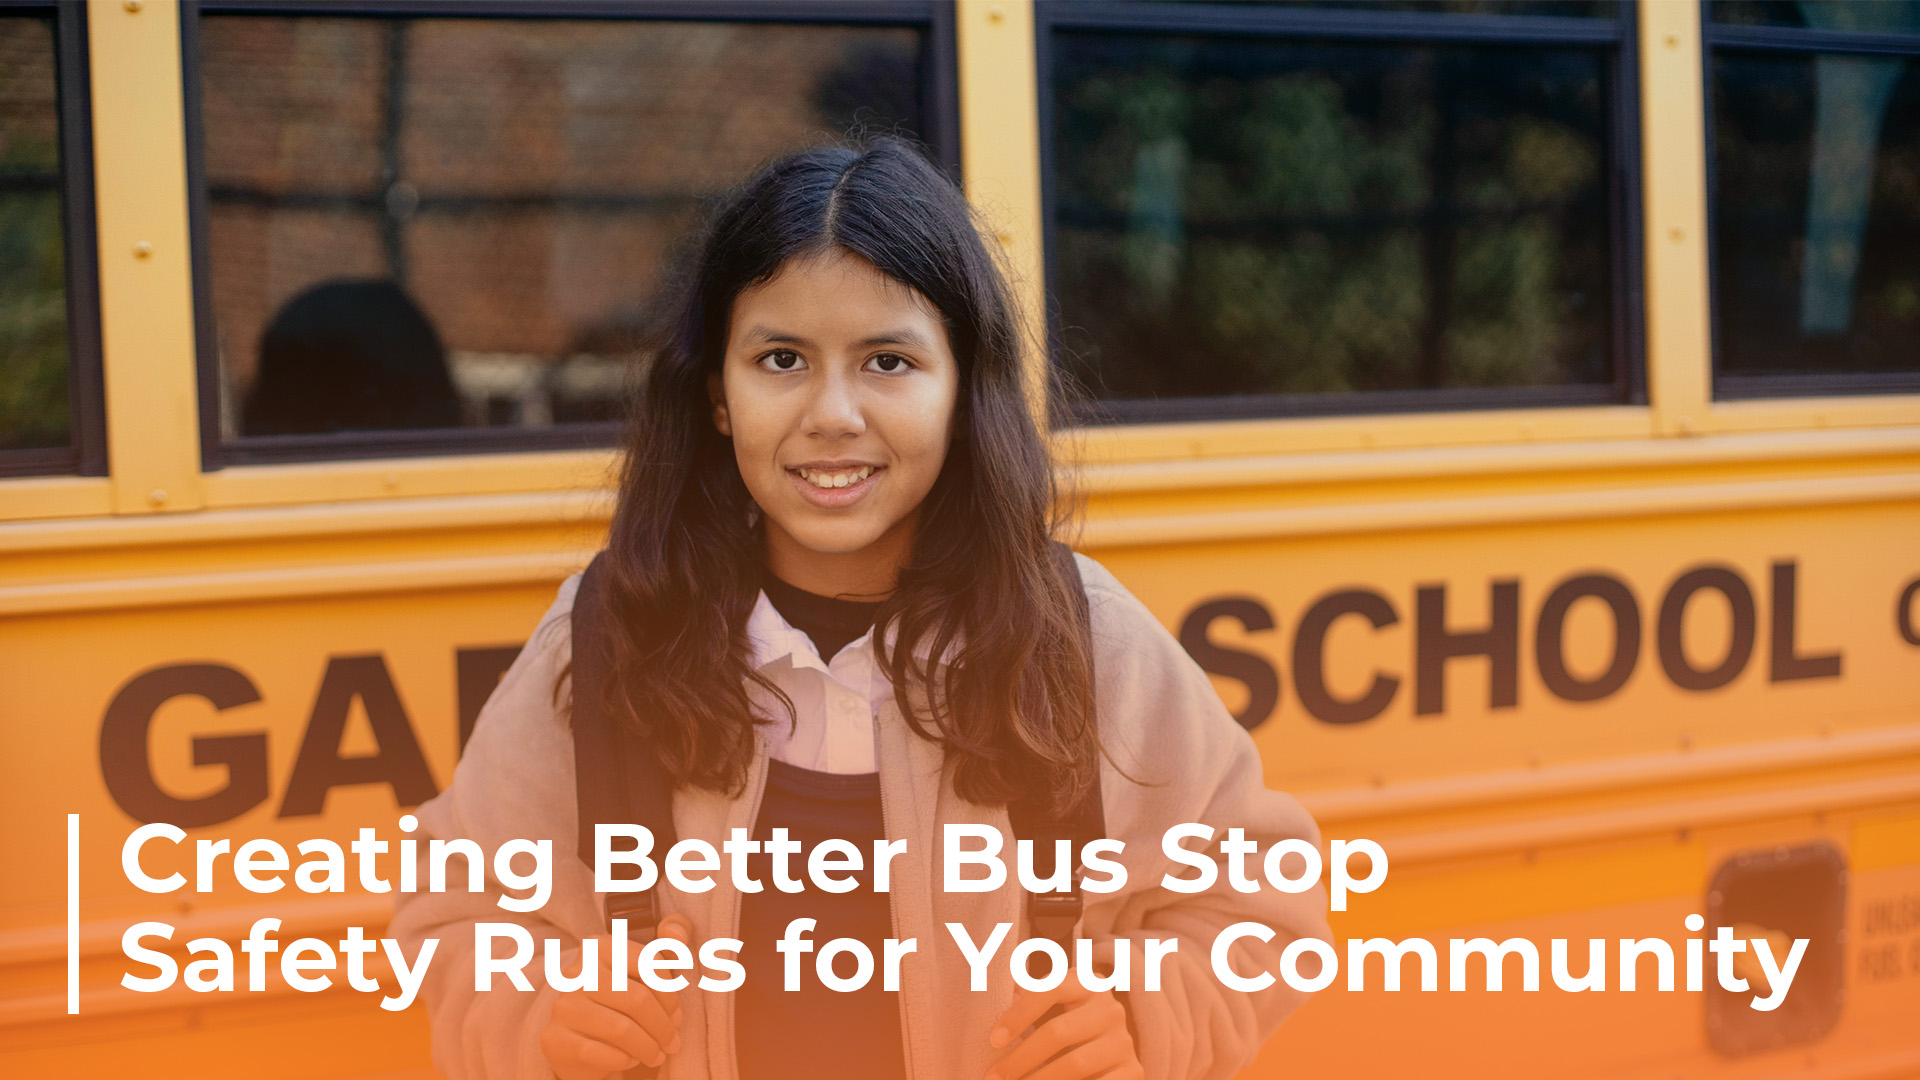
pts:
pixel 1013 705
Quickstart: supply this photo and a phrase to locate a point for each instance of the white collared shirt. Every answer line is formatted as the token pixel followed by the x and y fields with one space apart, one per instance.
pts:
pixel 834 702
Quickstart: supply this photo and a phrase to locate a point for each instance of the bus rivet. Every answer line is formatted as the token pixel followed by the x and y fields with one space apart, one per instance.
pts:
pixel 133 5
pixel 1673 41
pixel 142 249
pixel 996 15
pixel 157 496
pixel 1677 234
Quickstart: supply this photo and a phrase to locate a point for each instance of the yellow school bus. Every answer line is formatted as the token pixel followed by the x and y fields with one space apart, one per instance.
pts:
pixel 1515 407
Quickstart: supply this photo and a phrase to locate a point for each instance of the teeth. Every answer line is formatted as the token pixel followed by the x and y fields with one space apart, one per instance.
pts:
pixel 836 479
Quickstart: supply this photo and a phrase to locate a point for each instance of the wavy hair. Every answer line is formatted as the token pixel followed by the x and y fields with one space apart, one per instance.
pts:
pixel 1013 703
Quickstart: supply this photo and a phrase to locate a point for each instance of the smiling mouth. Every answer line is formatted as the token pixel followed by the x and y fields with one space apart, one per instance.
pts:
pixel 832 479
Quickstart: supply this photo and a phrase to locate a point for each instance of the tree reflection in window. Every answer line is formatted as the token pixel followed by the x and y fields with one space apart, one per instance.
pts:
pixel 34 409
pixel 1270 217
pixel 1817 191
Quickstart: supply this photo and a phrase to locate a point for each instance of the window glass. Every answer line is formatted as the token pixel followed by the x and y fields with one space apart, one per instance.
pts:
pixel 461 223
pixel 34 411
pixel 1817 199
pixel 1281 225
pixel 1602 9
pixel 1864 16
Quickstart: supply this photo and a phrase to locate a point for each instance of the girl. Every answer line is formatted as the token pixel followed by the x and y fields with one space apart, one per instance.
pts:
pixel 830 610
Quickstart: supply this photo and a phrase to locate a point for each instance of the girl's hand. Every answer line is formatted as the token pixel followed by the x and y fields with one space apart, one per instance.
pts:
pixel 1089 1037
pixel 596 1033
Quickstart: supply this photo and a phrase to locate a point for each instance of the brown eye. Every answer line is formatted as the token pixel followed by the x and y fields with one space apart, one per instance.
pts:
pixel 782 360
pixel 889 363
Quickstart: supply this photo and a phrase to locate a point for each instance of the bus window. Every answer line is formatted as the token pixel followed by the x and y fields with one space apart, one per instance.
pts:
pixel 1816 163
pixel 1275 210
pixel 49 365
pixel 431 234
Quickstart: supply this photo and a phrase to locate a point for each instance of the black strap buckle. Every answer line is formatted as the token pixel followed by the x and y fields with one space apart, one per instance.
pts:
pixel 640 909
pixel 1055 915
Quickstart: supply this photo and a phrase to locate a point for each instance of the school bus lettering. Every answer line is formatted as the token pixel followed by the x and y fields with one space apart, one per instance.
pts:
pixel 1309 648
pixel 1548 645
pixel 1434 645
pixel 399 762
pixel 1904 617
pixel 126 762
pixel 127 769
pixel 320 768
pixel 1673 611
pixel 1262 681
pixel 1785 664
pixel 1437 640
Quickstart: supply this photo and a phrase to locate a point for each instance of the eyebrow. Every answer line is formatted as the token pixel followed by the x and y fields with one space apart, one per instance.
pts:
pixel 901 336
pixel 762 334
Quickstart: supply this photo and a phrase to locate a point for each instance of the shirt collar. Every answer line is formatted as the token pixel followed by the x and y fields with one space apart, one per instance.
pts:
pixel 774 639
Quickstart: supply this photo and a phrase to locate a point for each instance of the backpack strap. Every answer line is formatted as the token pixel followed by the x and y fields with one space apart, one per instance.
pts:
pixel 1056 915
pixel 616 778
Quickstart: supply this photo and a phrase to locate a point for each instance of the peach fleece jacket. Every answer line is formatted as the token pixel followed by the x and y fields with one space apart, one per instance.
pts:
pixel 1176 757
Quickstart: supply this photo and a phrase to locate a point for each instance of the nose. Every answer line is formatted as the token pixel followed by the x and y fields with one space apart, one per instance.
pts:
pixel 834 409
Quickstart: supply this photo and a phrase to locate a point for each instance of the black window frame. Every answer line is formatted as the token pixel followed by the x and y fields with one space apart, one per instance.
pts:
pixel 940 90
pixel 86 451
pixel 1212 19
pixel 1791 41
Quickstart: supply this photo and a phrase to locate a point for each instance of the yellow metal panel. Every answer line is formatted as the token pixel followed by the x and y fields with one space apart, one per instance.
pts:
pixel 1228 524
pixel 165 540
pixel 463 474
pixel 146 281
pixel 1850 564
pixel 1643 457
pixel 1379 491
pixel 1833 412
pixel 1225 438
pixel 372 546
pixel 376 547
pixel 1674 160
pixel 40 497
pixel 1542 783
pixel 1000 149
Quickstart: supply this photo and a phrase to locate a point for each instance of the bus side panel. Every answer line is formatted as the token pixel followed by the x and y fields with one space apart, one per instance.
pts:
pixel 1506 808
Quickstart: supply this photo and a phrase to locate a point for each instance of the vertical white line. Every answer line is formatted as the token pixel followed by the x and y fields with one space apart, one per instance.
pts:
pixel 73 914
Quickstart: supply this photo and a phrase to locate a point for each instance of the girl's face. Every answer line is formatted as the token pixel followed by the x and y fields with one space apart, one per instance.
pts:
pixel 838 389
